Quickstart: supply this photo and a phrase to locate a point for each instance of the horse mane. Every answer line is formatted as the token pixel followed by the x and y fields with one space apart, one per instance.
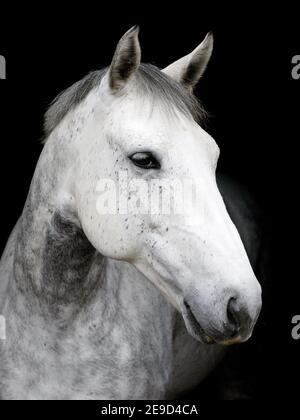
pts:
pixel 151 81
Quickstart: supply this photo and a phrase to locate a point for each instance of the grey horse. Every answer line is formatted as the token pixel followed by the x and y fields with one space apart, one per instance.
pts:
pixel 106 303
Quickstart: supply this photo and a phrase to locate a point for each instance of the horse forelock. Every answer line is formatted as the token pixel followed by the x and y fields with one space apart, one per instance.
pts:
pixel 151 81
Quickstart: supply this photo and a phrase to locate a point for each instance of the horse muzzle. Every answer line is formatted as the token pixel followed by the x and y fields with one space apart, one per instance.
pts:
pixel 235 327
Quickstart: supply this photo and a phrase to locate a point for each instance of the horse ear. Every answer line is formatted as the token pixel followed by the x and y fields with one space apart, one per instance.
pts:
pixel 189 69
pixel 126 60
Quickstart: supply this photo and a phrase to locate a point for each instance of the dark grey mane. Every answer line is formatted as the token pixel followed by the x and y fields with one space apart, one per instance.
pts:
pixel 151 82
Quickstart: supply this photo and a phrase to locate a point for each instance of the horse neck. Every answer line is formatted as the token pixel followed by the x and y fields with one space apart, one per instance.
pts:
pixel 56 269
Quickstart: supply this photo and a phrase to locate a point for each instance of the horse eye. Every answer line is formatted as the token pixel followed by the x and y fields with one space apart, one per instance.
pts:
pixel 145 161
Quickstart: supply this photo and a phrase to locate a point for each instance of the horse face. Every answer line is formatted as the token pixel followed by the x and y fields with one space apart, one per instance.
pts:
pixel 195 257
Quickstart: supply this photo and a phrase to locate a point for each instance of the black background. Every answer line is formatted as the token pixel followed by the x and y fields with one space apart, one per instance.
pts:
pixel 253 101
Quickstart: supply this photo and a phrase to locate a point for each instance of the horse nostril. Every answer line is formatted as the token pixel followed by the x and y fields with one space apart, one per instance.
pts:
pixel 234 316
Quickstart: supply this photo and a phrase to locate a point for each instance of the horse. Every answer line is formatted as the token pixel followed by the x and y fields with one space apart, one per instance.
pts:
pixel 125 305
